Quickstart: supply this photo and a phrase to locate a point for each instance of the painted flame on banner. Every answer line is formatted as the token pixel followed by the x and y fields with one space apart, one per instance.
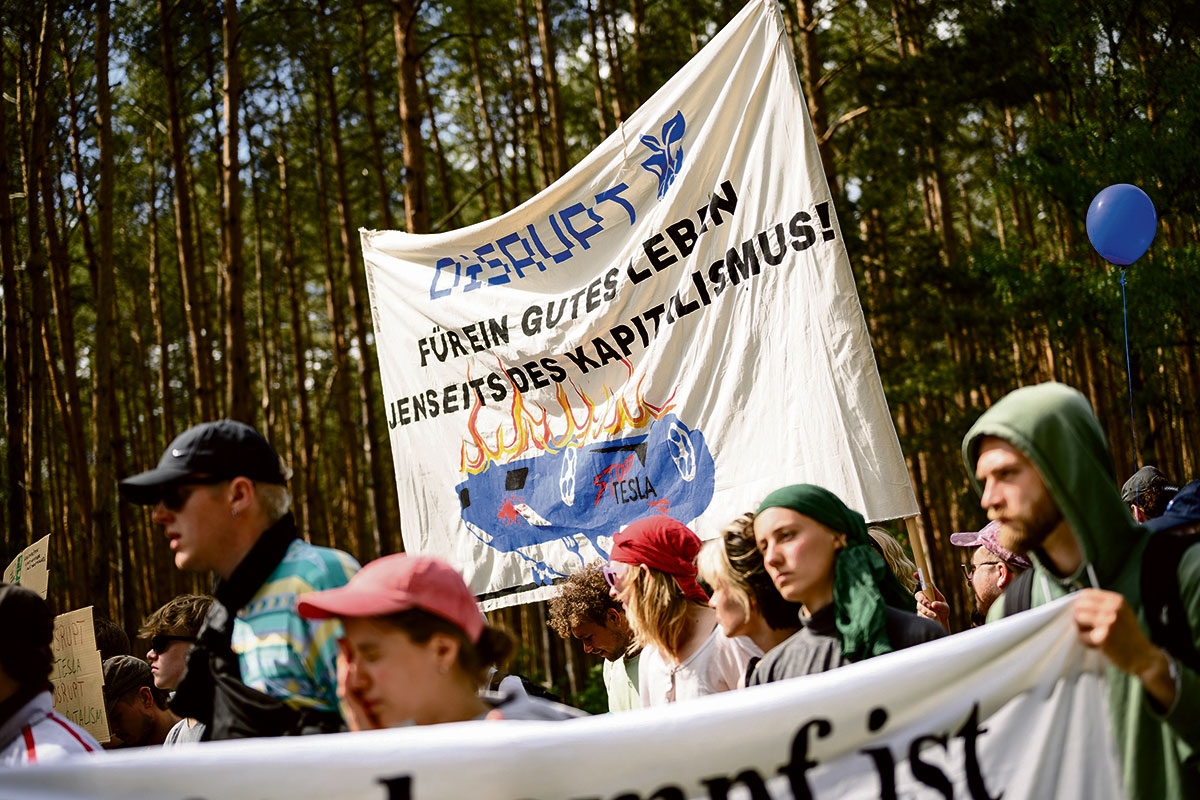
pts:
pixel 531 427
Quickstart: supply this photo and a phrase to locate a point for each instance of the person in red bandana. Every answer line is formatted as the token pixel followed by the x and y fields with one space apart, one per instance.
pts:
pixel 652 571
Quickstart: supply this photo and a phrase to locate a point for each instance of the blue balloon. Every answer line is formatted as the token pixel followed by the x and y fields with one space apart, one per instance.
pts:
pixel 1121 223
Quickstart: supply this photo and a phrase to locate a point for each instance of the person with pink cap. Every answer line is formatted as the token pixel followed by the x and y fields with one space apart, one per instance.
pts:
pixel 417 648
pixel 989 571
pixel 652 571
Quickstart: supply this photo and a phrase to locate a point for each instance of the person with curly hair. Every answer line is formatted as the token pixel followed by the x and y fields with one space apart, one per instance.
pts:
pixel 652 571
pixel 583 608
pixel 743 595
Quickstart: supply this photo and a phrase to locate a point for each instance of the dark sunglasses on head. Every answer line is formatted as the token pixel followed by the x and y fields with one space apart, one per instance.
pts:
pixel 160 642
pixel 174 496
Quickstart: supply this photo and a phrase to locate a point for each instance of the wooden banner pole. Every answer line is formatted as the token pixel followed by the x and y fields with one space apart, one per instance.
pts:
pixel 916 538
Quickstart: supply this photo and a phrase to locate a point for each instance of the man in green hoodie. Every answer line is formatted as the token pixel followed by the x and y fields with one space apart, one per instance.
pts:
pixel 1040 460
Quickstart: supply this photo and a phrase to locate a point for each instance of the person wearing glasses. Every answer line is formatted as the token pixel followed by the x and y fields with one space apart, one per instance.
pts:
pixel 652 572
pixel 818 553
pixel 989 571
pixel 171 630
pixel 257 668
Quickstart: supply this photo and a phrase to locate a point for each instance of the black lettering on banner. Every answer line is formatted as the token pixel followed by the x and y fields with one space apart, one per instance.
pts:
pixel 805 235
pixel 925 772
pixel 796 768
pixel 518 379
pixel 656 250
pixel 496 384
pixel 557 373
pixel 764 244
pixel 398 788
pixel 536 377
pixel 582 362
pixel 970 733
pixel 741 266
pixel 479 336
pixel 885 764
pixel 683 234
pixel 718 788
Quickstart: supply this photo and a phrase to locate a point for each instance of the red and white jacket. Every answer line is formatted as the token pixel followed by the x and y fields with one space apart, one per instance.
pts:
pixel 37 734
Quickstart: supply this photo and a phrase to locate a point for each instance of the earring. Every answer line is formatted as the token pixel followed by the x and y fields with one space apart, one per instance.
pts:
pixel 234 510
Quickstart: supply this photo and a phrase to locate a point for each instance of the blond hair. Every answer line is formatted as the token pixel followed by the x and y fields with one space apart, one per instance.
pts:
pixel 716 570
pixel 656 608
pixel 897 560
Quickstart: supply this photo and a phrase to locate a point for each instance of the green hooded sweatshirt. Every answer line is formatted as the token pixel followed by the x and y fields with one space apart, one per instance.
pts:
pixel 1054 427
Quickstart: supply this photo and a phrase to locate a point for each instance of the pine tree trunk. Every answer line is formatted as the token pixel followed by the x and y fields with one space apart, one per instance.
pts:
pixel 13 516
pixel 367 79
pixel 199 354
pixel 239 404
pixel 106 436
pixel 484 115
pixel 554 104
pixel 416 204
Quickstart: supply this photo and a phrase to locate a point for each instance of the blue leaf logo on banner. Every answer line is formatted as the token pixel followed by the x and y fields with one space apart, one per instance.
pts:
pixel 668 154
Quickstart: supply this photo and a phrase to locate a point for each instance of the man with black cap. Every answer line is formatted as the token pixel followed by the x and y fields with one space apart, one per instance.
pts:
pixel 257 668
pixel 31 732
pixel 137 709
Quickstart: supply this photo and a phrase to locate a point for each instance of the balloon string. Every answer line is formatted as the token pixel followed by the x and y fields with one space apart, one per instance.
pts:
pixel 1137 458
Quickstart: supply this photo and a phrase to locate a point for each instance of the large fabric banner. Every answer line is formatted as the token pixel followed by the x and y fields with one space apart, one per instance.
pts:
pixel 1016 710
pixel 671 328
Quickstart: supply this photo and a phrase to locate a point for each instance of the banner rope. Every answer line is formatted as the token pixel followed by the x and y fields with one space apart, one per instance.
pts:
pixel 1137 457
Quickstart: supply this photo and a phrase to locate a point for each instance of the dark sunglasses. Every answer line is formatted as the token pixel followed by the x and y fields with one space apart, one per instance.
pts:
pixel 174 496
pixel 160 642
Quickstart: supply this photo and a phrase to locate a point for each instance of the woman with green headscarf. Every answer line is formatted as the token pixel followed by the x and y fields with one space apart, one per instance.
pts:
pixel 818 553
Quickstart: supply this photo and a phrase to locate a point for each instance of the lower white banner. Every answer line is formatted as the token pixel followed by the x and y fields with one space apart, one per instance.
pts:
pixel 1016 709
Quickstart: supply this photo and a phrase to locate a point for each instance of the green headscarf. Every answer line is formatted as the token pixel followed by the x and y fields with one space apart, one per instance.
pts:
pixel 863 585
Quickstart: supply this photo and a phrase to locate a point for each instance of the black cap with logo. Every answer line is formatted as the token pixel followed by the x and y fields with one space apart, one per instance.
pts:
pixel 224 449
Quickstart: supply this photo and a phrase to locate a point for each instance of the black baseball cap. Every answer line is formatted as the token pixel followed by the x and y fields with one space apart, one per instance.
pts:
pixel 224 449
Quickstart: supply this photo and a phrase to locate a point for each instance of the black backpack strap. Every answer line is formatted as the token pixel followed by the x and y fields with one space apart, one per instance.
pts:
pixel 1018 596
pixel 1166 616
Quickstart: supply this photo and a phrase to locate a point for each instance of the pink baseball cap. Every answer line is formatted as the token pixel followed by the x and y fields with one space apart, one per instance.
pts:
pixel 988 538
pixel 397 583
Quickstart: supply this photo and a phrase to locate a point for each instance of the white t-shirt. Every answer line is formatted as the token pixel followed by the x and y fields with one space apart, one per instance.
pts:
pixel 717 666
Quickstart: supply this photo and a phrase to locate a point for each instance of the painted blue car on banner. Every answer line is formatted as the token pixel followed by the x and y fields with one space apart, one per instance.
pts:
pixel 590 491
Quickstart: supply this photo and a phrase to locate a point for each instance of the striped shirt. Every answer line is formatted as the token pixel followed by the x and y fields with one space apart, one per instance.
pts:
pixel 282 654
pixel 37 734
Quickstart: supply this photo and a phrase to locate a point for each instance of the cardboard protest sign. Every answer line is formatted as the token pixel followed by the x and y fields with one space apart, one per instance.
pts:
pixel 31 567
pixel 78 674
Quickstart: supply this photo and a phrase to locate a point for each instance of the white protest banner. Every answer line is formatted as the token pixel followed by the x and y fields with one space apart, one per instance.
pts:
pixel 1017 710
pixel 78 674
pixel 31 567
pixel 671 328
